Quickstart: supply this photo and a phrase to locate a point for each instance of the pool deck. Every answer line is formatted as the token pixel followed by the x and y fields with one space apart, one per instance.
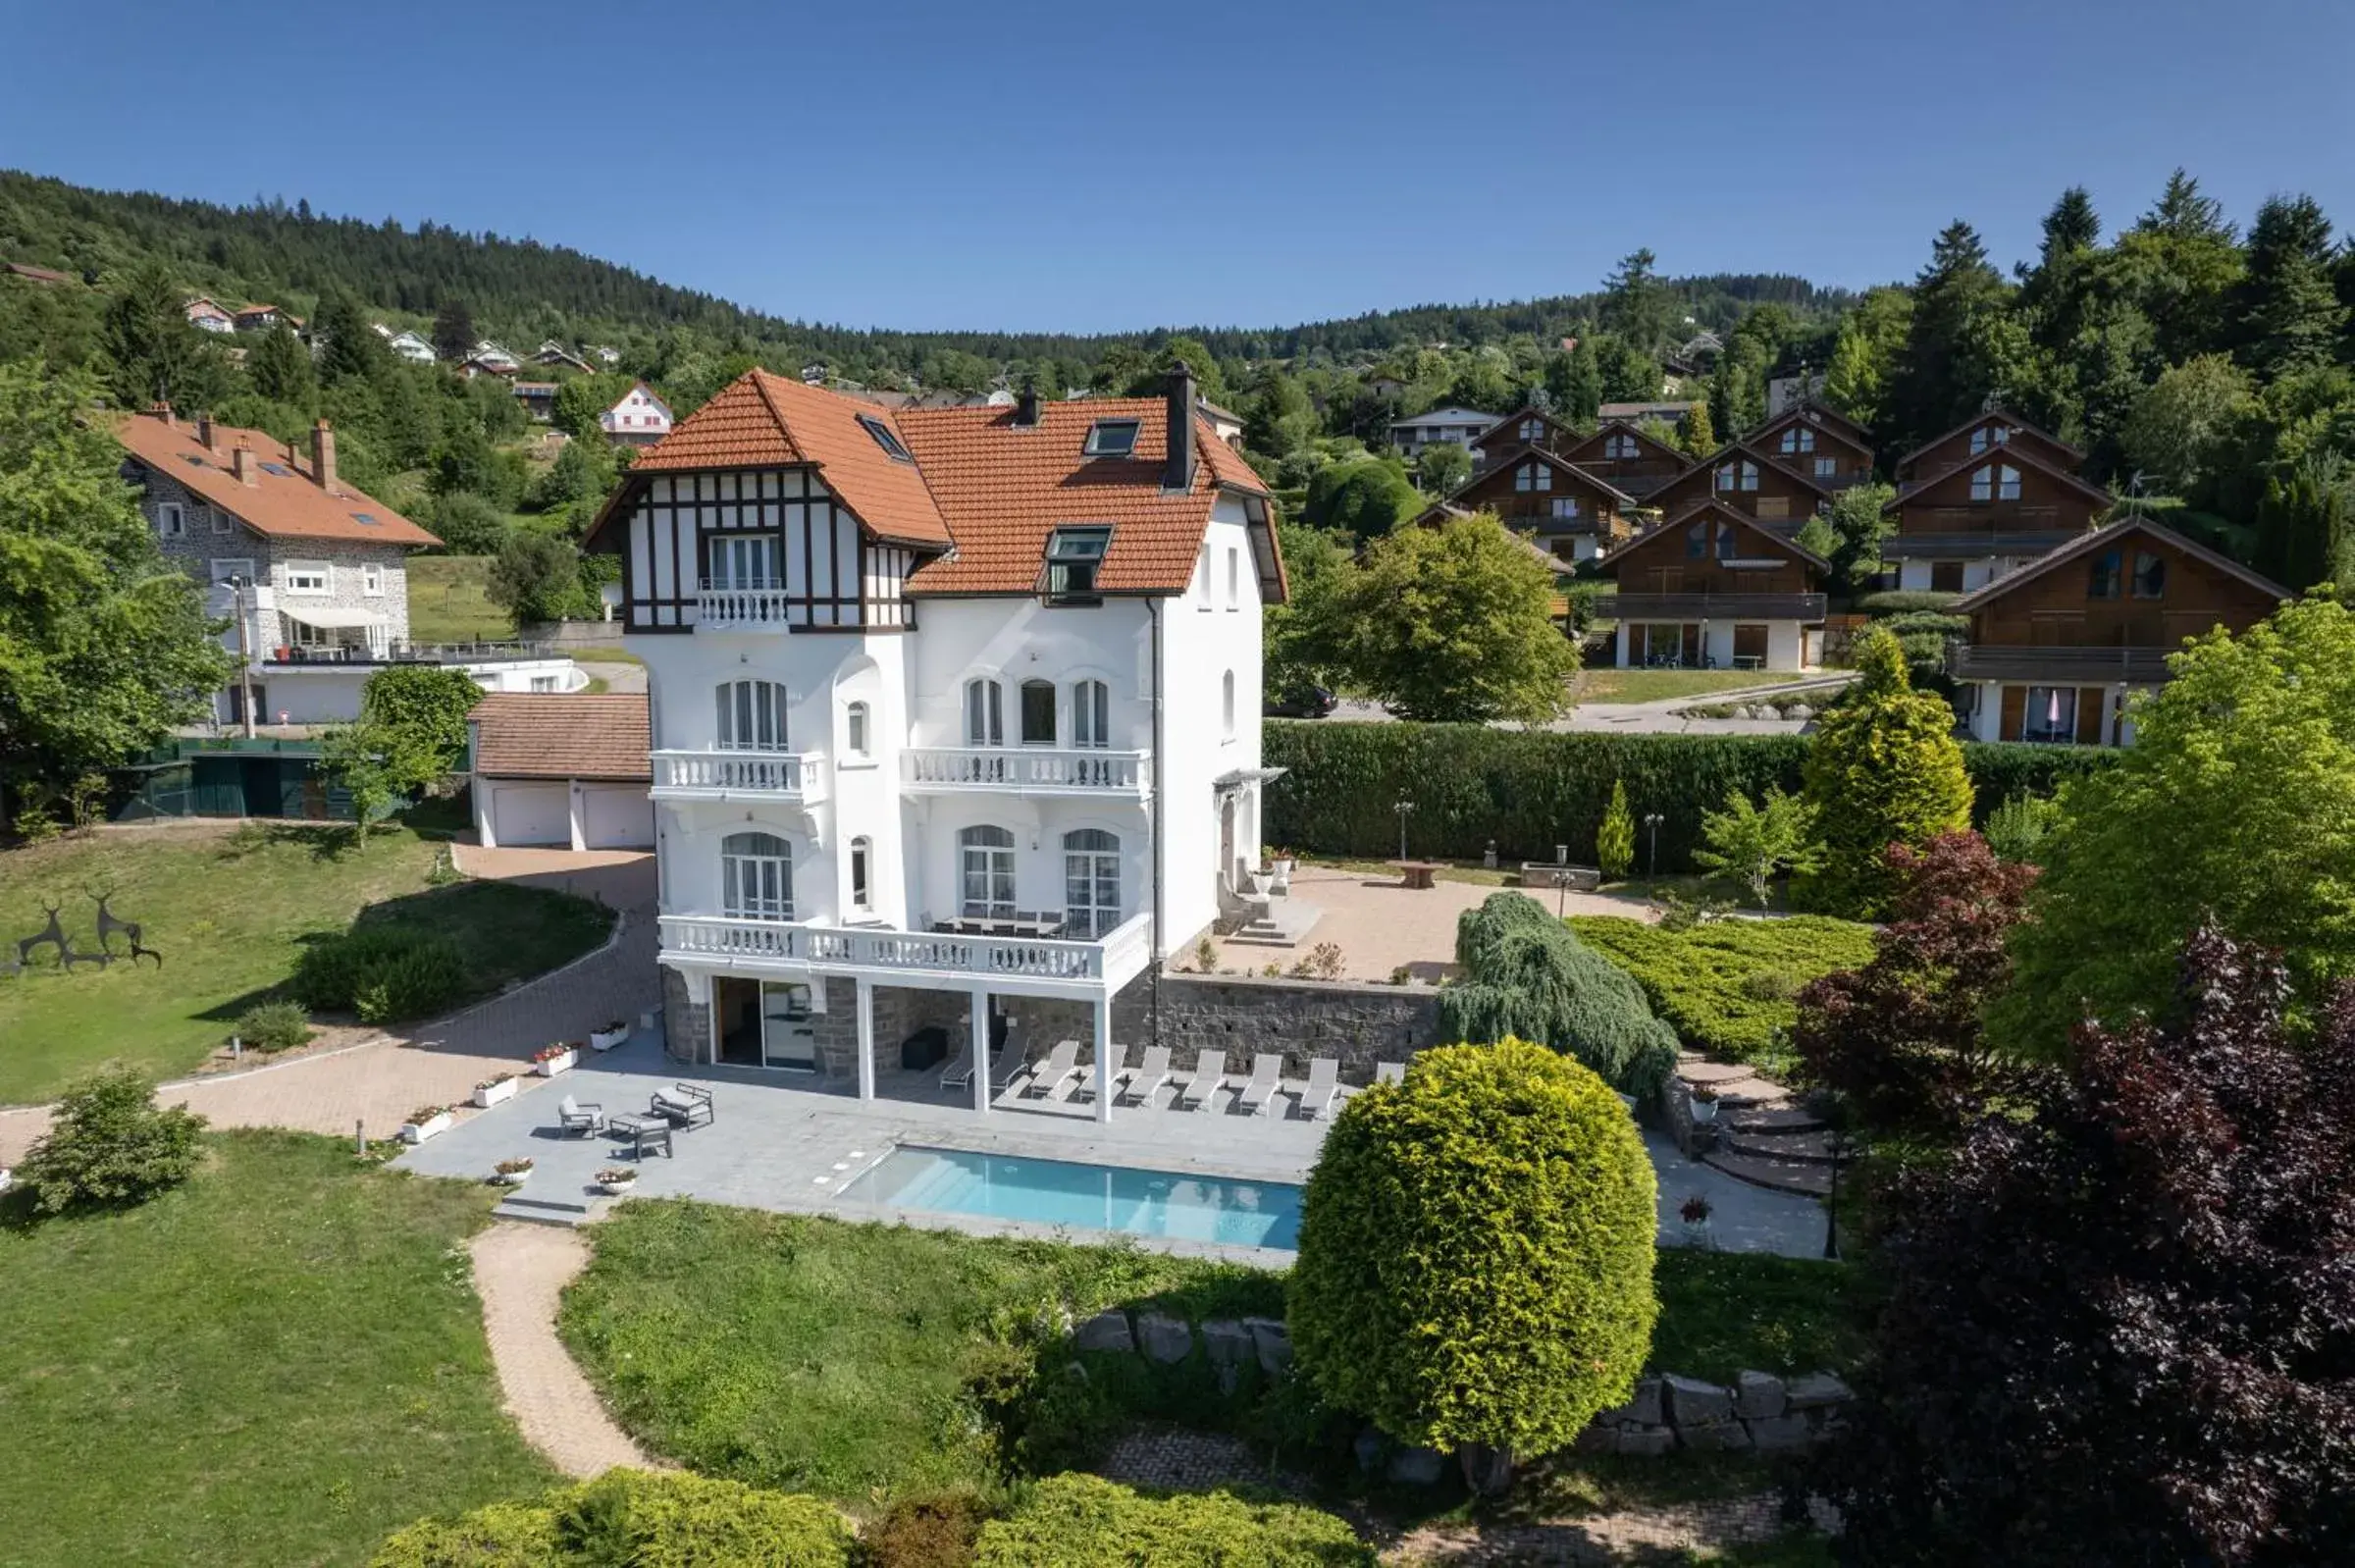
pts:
pixel 783 1143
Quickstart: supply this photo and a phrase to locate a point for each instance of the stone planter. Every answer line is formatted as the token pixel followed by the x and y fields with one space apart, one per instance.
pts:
pixel 561 1061
pixel 419 1131
pixel 1698 1236
pixel 1704 1112
pixel 607 1039
pixel 1260 882
pixel 486 1095
pixel 509 1179
pixel 617 1185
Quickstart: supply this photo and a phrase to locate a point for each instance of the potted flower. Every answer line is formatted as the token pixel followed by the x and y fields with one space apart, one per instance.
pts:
pixel 615 1181
pixel 550 1060
pixel 424 1122
pixel 1704 1104
pixel 1279 867
pixel 1695 1212
pixel 511 1173
pixel 492 1090
pixel 606 1037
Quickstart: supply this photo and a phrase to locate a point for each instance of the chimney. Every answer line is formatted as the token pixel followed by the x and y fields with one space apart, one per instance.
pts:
pixel 163 411
pixel 240 464
pixel 204 430
pixel 1025 407
pixel 1179 474
pixel 322 455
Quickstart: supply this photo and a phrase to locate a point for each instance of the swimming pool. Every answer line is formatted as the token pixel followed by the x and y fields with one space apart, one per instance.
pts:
pixel 1095 1197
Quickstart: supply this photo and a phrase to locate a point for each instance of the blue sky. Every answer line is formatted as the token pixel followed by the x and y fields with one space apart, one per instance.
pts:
pixel 1091 166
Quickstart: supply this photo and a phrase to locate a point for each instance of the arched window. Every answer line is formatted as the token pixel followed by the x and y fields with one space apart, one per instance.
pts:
pixel 987 854
pixel 1226 706
pixel 985 713
pixel 855 739
pixel 863 868
pixel 1091 883
pixel 756 876
pixel 1091 714
pixel 751 717
pixel 1038 712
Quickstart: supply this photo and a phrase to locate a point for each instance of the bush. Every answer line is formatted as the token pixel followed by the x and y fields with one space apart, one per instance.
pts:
pixel 110 1146
pixel 643 1519
pixel 935 1532
pixel 1079 1521
pixel 1900 601
pixel 1527 977
pixel 467 524
pixel 274 1026
pixel 1729 987
pixel 381 973
pixel 1476 1252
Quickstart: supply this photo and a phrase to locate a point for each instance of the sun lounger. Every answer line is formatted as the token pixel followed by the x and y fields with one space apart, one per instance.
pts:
pixel 1009 1065
pixel 958 1073
pixel 1266 1069
pixel 574 1117
pixel 1050 1076
pixel 1389 1072
pixel 1324 1082
pixel 1140 1083
pixel 1199 1090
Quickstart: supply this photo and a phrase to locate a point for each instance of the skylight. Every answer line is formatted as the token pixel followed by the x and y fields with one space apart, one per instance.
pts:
pixel 1111 438
pixel 885 439
pixel 366 519
pixel 280 469
pixel 1072 556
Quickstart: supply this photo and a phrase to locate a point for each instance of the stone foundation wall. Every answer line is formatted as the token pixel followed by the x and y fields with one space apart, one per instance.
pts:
pixel 686 1025
pixel 1358 1023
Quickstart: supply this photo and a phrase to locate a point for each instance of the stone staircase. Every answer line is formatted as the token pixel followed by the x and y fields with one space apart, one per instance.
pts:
pixel 1281 923
pixel 1761 1134
pixel 543 1211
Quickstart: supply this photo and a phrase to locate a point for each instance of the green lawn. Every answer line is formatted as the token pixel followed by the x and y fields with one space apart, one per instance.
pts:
pixel 447 602
pixel 231 911
pixel 847 1360
pixel 1727 987
pixel 280 1363
pixel 1607 686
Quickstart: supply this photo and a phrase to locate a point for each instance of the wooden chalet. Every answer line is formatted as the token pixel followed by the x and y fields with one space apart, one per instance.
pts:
pixel 1716 589
pixel 2057 647
pixel 1573 515
pixel 1989 512
pixel 1525 427
pixel 1748 478
pixel 1810 438
pixel 1626 458
pixel 1975 438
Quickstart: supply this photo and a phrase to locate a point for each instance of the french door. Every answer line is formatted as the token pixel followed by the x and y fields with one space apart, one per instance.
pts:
pixel 743 560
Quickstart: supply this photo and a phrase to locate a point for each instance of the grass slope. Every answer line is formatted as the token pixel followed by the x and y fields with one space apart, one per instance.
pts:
pixel 1727 987
pixel 230 912
pixel 1612 686
pixel 450 602
pixel 280 1363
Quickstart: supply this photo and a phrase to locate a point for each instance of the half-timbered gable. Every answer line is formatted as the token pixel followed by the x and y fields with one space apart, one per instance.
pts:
pixel 2056 647
pixel 1622 455
pixel 1978 436
pixel 1745 477
pixel 1810 438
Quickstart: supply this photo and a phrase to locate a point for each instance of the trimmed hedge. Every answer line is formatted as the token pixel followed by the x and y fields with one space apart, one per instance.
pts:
pixel 667 1520
pixel 1080 1521
pixel 1898 600
pixel 1529 790
pixel 381 973
pixel 1727 986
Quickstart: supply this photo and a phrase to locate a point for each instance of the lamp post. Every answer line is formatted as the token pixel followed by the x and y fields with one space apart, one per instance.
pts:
pixel 1836 1146
pixel 1651 820
pixel 1405 809
pixel 236 610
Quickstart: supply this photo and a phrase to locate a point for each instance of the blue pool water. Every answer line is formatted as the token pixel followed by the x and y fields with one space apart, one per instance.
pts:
pixel 1093 1198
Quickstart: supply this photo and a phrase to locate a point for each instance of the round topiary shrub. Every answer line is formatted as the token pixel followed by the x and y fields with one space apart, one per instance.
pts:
pixel 649 1520
pixel 272 1026
pixel 936 1532
pixel 1476 1252
pixel 1080 1521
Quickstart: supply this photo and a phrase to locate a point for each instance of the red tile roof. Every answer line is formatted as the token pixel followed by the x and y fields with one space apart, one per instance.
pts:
pixel 286 505
pixel 546 735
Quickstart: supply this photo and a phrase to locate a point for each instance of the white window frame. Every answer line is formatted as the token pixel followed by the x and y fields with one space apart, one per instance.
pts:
pixel 1092 715
pixel 756 884
pixel 171 520
pixel 220 519
pixel 856 742
pixel 1091 870
pixel 985 861
pixel 863 874
pixel 1208 600
pixel 984 711
pixel 751 715
pixel 293 576
pixel 241 567
pixel 543 683
pixel 372 580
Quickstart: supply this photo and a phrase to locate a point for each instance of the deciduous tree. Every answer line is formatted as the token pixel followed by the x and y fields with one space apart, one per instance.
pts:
pixel 1754 844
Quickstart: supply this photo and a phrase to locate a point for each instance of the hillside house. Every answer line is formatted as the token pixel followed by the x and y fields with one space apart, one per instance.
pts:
pixel 1573 515
pixel 2058 649
pixel 1458 427
pixel 538 399
pixel 1809 438
pixel 310 575
pixel 1627 458
pixel 264 318
pixel 639 418
pixel 552 354
pixel 1750 479
pixel 1716 589
pixel 491 356
pixel 1978 436
pixel 2002 500
pixel 1525 427
pixel 1667 411
pixel 957 714
pixel 207 315
pixel 415 347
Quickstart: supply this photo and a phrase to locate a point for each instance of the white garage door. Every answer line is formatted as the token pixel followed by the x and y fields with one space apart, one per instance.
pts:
pixel 617 817
pixel 532 813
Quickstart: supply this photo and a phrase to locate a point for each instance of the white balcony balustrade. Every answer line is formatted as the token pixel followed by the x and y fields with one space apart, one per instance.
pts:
pixel 745 609
pixel 1026 770
pixel 725 776
pixel 914 957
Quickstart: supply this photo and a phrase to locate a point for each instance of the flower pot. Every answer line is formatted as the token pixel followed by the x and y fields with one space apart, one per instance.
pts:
pixel 1260 882
pixel 419 1131
pixel 486 1095
pixel 561 1061
pixel 1704 1112
pixel 619 1187
pixel 1698 1235
pixel 607 1039
pixel 509 1179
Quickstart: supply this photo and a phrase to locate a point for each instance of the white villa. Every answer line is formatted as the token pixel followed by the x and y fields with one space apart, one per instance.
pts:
pixel 1458 427
pixel 639 418
pixel 310 575
pixel 954 714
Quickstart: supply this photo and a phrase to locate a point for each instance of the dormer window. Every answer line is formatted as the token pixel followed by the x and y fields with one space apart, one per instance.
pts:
pixel 1072 556
pixel 885 439
pixel 1111 438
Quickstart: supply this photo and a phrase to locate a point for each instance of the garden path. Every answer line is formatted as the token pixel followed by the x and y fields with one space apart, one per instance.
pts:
pixel 1632 1534
pixel 520 1271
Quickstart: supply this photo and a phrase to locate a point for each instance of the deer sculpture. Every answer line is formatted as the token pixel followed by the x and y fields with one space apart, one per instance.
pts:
pixel 109 924
pixel 53 933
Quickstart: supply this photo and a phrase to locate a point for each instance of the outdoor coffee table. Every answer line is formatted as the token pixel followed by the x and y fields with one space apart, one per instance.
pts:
pixel 644 1132
pixel 1417 873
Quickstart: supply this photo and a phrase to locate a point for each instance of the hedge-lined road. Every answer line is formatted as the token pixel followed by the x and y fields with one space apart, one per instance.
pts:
pixel 377 1084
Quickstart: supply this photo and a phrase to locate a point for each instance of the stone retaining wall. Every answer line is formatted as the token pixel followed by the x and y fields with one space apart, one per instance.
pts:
pixel 1356 1023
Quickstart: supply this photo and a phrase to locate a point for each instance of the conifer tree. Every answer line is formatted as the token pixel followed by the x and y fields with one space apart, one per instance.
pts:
pixel 1884 770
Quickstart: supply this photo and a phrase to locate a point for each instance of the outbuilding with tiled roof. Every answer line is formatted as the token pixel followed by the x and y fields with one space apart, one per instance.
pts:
pixel 564 770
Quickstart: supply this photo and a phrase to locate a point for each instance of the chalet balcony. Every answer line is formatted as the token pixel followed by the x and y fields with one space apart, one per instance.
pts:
pixel 732 775
pixel 2058 666
pixel 1975 544
pixel 1626 607
pixel 1048 966
pixel 744 610
pixel 1026 770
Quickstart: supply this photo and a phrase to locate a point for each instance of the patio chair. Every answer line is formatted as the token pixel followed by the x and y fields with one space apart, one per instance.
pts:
pixel 684 1103
pixel 1254 1095
pixel 1202 1086
pixel 1012 1058
pixel 1389 1073
pixel 1058 1070
pixel 958 1073
pixel 573 1117
pixel 1140 1083
pixel 1324 1083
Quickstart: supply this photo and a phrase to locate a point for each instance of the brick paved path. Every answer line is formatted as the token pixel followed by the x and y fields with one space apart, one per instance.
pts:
pixel 520 1271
